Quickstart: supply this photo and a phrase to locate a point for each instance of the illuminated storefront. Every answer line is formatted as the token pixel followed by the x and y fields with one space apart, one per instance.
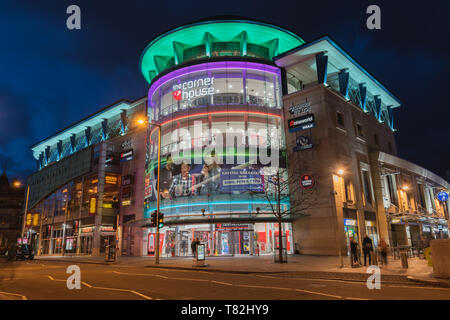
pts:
pixel 222 138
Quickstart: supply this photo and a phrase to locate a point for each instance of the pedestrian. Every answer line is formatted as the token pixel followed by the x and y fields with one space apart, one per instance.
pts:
pixel 384 252
pixel 354 250
pixel 194 246
pixel 367 249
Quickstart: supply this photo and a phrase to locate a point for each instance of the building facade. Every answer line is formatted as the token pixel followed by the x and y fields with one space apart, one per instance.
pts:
pixel 253 121
pixel 11 211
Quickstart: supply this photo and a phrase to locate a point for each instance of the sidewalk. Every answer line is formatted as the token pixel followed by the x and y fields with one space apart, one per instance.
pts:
pixel 312 266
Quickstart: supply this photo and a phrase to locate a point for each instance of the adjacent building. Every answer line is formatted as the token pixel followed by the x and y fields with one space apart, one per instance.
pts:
pixel 11 211
pixel 248 120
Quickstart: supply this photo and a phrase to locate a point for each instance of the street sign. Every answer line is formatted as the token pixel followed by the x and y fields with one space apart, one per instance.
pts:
pixel 442 196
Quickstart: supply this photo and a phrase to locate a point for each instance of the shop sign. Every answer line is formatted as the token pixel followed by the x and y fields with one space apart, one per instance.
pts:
pixel 350 222
pixel 29 219
pixel 193 88
pixel 92 205
pixel 126 156
pixel 303 143
pixel 107 205
pixel 435 229
pixel 107 229
pixel 35 219
pixel 301 123
pixel 396 221
pixel 307 181
pixel 126 203
pixel 300 108
pixel 370 224
pixel 442 196
pixel 110 179
pixel 87 230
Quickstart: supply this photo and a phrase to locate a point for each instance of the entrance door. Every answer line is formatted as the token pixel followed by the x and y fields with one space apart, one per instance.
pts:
pixel 225 245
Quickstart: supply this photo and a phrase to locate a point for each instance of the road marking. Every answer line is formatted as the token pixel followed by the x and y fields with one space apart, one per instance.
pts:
pixel 86 284
pixel 319 293
pixel 415 287
pixel 348 298
pixel 14 294
pixel 225 283
pixel 159 276
pixel 142 295
pixel 51 278
pixel 262 287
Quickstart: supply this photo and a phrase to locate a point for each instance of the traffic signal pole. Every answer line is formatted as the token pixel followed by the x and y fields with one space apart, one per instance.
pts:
pixel 158 197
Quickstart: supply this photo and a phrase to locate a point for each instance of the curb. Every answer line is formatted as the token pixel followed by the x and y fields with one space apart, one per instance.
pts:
pixel 435 283
pixel 70 261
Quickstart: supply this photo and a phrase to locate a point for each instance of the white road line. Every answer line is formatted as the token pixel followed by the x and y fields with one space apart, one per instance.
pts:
pixel 14 294
pixel 319 293
pixel 142 295
pixel 262 287
pixel 224 283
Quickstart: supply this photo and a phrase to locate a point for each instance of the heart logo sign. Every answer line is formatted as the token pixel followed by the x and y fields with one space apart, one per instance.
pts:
pixel 177 94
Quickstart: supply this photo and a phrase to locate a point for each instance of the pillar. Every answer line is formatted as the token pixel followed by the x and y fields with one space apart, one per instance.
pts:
pixel 322 66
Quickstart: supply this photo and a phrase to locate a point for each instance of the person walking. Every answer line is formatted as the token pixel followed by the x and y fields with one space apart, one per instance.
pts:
pixel 367 249
pixel 354 250
pixel 384 252
pixel 194 246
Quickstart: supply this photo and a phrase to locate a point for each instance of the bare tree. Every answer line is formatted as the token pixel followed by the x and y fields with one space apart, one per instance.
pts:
pixel 281 189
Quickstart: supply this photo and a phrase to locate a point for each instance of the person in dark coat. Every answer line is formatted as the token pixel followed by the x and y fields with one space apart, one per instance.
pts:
pixel 194 246
pixel 367 249
pixel 354 250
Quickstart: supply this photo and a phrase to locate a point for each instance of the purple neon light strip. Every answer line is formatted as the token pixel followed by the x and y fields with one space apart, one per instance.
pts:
pixel 210 66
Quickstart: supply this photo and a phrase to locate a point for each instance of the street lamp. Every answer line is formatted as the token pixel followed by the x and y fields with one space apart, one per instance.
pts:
pixel 142 122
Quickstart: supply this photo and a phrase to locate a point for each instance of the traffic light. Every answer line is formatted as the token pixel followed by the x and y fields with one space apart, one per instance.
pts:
pixel 153 220
pixel 161 220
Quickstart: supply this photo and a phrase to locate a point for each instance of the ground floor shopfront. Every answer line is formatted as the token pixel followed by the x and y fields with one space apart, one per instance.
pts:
pixel 413 234
pixel 219 239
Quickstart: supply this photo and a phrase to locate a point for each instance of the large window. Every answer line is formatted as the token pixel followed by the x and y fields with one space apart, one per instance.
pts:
pixel 215 84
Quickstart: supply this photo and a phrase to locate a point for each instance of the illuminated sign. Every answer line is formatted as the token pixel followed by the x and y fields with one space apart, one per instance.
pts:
pixel 107 205
pixel 92 205
pixel 301 123
pixel 306 181
pixel 110 179
pixel 126 155
pixel 107 229
pixel 193 88
pixel 300 108
pixel 200 252
pixel 303 143
pixel 35 219
pixel 29 219
pixel 126 202
pixel 94 181
pixel 350 222
pixel 127 180
pixel 87 230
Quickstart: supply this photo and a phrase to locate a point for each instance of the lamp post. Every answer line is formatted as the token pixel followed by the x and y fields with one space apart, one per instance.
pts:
pixel 141 122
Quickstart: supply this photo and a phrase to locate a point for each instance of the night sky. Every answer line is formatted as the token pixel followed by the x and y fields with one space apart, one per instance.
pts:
pixel 51 77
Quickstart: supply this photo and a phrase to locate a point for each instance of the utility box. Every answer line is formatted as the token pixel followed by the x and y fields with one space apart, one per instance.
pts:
pixel 440 253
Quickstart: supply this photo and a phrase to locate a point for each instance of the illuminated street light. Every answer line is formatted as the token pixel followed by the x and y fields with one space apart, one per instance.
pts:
pixel 405 188
pixel 141 121
pixel 340 172
pixel 16 184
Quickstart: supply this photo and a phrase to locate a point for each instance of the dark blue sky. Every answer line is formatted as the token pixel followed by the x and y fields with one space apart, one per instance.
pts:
pixel 52 77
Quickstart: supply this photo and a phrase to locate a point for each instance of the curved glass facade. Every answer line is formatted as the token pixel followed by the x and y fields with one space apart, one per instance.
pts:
pixel 221 142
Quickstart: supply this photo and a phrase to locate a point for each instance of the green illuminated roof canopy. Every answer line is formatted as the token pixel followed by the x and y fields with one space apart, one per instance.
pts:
pixel 215 38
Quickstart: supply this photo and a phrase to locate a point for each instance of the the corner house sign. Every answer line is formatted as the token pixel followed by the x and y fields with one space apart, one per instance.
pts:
pixel 193 88
pixel 307 181
pixel 442 196
pixel 303 143
pixel 300 108
pixel 301 123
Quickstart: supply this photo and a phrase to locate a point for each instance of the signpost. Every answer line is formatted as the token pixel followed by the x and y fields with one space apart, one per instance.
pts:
pixel 307 181
pixel 442 196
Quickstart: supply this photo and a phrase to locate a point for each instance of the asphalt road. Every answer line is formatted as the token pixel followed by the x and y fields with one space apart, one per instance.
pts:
pixel 41 280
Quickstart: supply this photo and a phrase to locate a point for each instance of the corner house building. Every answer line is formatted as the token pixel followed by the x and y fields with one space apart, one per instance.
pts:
pixel 250 120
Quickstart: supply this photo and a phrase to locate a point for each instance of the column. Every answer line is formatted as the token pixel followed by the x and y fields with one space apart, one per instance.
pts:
pixel 100 189
pixel 322 66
